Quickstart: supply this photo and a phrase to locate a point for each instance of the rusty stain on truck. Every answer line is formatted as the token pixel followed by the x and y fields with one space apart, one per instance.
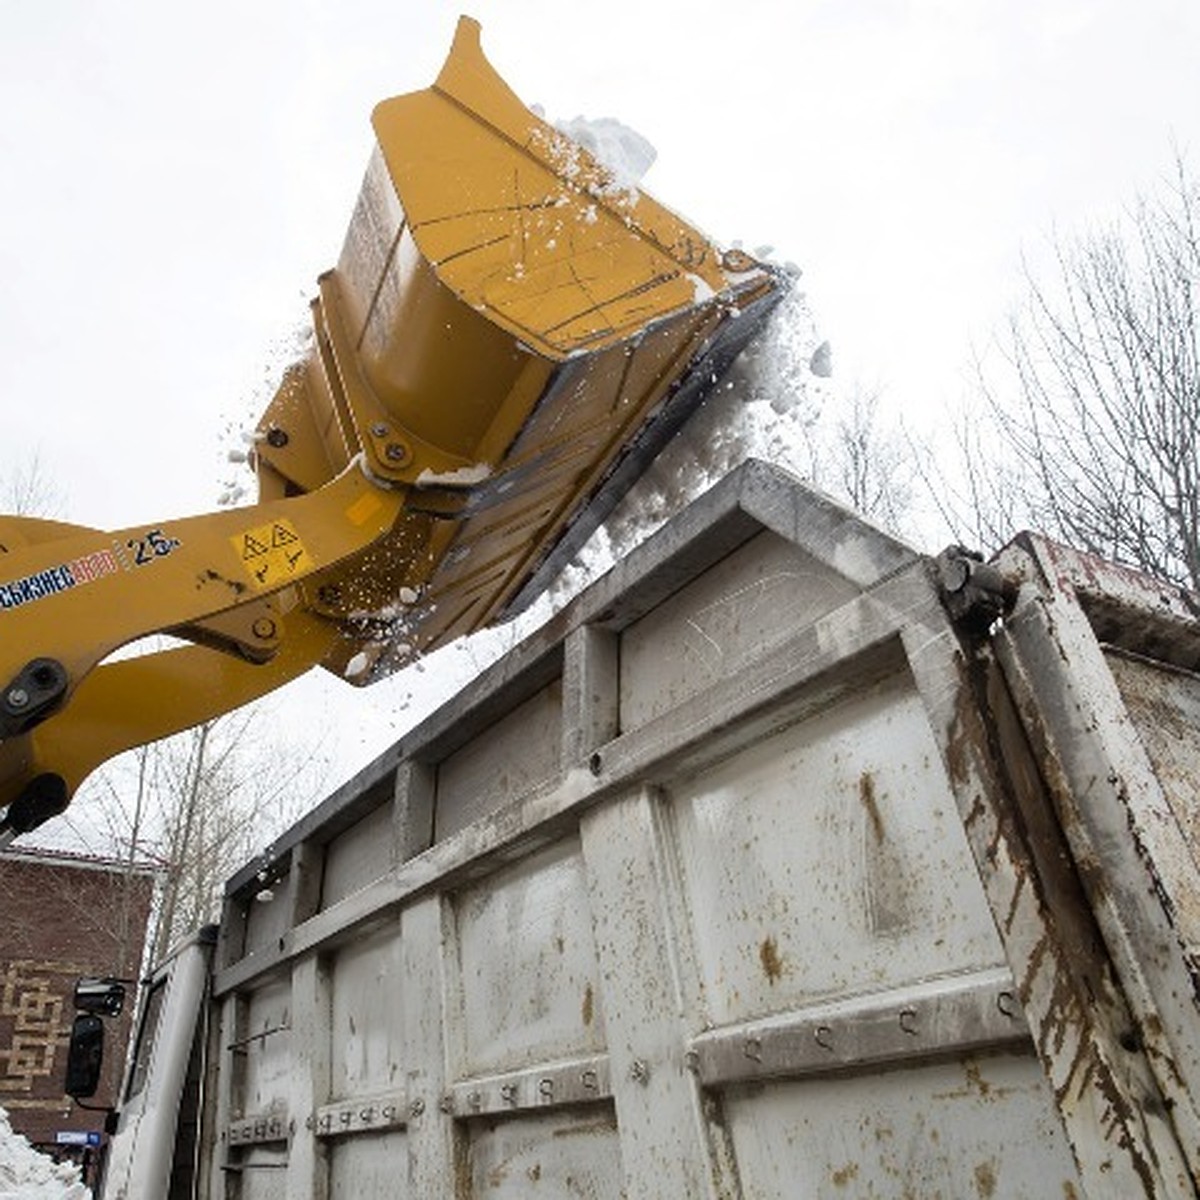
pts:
pixel 985 1180
pixel 772 963
pixel 866 793
pixel 1064 983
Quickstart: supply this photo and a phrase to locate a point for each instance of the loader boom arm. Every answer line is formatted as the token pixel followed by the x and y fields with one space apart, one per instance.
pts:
pixel 509 332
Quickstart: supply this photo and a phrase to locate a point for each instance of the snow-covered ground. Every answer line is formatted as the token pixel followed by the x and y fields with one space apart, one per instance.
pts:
pixel 27 1175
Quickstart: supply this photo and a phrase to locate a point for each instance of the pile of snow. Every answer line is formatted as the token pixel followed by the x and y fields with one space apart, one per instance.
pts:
pixel 767 407
pixel 27 1175
pixel 624 152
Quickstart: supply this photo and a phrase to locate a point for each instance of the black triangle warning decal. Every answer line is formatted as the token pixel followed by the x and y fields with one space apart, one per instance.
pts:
pixel 252 547
pixel 281 535
pixel 272 554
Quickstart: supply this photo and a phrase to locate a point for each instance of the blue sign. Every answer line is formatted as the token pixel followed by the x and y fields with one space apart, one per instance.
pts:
pixel 77 1137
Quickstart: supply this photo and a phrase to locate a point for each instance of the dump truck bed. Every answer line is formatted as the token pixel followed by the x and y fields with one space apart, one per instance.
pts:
pixel 784 862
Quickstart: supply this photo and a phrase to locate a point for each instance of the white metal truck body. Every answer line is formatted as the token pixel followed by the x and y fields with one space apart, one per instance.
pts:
pixel 755 873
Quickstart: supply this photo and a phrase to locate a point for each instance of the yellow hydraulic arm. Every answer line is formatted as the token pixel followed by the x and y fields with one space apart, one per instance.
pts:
pixel 510 334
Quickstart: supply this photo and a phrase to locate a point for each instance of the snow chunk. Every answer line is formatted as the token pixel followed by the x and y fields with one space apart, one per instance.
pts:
pixel 622 155
pixel 622 151
pixel 463 477
pixel 357 665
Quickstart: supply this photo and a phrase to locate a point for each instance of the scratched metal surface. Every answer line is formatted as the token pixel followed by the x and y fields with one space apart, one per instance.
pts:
pixel 527 988
pixel 264 1044
pixel 977 1129
pixel 519 752
pixel 1085 855
pixel 262 1174
pixel 366 1166
pixel 357 856
pixel 828 861
pixel 1165 706
pixel 713 626
pixel 572 1153
pixel 267 918
pixel 367 997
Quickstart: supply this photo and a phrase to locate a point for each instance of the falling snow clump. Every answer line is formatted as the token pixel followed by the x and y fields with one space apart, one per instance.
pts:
pixel 764 408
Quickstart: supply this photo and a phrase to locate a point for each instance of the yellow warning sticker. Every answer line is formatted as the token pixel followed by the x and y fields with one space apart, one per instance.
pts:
pixel 272 554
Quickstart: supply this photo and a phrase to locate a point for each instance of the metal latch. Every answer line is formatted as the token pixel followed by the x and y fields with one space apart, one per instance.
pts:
pixel 976 594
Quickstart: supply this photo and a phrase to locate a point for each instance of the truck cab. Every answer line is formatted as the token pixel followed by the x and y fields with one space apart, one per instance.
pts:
pixel 155 1140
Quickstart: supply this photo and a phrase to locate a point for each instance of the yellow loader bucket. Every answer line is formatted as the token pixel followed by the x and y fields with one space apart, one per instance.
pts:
pixel 510 335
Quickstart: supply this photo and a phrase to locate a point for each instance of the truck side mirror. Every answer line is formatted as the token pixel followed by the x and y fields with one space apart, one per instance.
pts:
pixel 105 997
pixel 85 1056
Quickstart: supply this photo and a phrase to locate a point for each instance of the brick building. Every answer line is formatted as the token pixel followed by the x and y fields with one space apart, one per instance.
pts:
pixel 64 916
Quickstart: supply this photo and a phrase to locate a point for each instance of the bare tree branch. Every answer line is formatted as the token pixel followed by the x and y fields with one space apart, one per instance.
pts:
pixel 1092 421
pixel 27 491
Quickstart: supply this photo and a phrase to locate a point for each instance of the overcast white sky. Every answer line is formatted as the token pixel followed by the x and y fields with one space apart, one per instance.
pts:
pixel 174 176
